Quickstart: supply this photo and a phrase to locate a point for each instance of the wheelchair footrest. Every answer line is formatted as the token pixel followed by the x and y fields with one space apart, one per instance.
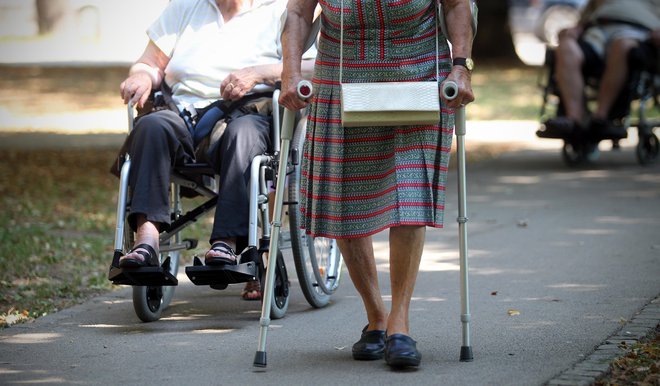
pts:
pixel 144 276
pixel 219 276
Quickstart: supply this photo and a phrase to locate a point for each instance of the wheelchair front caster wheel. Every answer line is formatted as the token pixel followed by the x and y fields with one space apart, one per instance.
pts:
pixel 149 302
pixel 648 149
pixel 280 302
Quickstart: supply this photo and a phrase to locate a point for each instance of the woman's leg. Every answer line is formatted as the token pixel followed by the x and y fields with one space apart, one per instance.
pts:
pixel 244 138
pixel 358 255
pixel 406 247
pixel 158 141
pixel 615 75
pixel 568 69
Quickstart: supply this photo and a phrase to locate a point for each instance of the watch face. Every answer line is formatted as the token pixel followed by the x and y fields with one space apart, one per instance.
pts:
pixel 469 64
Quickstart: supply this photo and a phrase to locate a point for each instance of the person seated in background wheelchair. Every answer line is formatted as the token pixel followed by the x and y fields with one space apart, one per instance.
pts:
pixel 204 51
pixel 599 46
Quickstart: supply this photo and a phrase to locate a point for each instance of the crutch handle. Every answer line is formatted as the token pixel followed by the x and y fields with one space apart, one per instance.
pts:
pixel 304 89
pixel 449 90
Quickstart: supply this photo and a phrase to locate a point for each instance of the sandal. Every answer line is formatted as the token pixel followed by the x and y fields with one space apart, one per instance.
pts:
pixel 228 257
pixel 149 257
pixel 252 290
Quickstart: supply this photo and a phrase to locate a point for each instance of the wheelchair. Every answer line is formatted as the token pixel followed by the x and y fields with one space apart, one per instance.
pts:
pixel 318 262
pixel 642 89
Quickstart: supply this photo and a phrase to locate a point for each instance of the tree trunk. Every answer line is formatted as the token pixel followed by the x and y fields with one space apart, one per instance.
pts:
pixel 493 39
pixel 51 14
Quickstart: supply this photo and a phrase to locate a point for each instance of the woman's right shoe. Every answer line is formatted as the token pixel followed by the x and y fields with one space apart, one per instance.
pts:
pixel 148 257
pixel 227 255
pixel 371 345
pixel 401 351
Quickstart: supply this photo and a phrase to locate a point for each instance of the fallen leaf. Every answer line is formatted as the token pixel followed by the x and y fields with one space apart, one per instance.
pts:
pixel 513 312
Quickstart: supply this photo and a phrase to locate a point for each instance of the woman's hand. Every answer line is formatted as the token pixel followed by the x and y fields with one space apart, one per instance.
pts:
pixel 136 88
pixel 289 97
pixel 239 83
pixel 145 75
pixel 461 76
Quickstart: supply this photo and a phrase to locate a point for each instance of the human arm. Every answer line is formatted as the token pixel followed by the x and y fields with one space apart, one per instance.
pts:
pixel 145 75
pixel 458 16
pixel 300 14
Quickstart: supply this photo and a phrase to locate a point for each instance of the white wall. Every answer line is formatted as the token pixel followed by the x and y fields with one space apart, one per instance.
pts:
pixel 94 32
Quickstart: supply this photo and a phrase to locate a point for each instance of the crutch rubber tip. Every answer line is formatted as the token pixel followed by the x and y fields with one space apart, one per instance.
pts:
pixel 466 354
pixel 260 359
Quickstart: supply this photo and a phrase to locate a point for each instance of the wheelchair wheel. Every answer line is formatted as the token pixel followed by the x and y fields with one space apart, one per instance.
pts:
pixel 317 259
pixel 647 149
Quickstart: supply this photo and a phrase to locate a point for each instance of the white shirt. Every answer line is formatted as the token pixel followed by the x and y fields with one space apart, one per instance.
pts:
pixel 204 50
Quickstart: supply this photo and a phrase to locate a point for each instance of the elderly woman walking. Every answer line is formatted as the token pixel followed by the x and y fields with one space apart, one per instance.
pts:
pixel 358 181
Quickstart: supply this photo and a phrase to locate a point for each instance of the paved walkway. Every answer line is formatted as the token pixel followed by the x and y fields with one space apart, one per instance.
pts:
pixel 562 261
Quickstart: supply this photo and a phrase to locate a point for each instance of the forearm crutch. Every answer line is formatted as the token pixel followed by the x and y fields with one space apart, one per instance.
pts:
pixel 450 91
pixel 288 121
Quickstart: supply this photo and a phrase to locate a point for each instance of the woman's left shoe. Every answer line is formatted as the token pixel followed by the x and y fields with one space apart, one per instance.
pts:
pixel 401 351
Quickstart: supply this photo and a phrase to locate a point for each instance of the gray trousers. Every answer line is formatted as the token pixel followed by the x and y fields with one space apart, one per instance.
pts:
pixel 161 140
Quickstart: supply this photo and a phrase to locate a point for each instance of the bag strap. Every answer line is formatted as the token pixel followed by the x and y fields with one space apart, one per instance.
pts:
pixel 341 43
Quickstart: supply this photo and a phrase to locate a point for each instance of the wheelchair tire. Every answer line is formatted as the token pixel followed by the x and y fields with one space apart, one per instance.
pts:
pixel 317 259
pixel 647 149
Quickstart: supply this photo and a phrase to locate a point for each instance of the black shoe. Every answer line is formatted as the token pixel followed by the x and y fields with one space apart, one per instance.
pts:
pixel 559 127
pixel 604 129
pixel 370 346
pixel 401 351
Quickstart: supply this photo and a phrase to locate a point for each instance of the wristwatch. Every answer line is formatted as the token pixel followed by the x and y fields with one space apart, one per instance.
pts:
pixel 465 62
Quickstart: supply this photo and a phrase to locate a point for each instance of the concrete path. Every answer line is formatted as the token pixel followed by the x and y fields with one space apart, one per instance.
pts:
pixel 560 260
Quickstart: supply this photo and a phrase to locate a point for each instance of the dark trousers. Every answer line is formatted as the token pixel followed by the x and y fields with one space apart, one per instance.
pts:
pixel 161 140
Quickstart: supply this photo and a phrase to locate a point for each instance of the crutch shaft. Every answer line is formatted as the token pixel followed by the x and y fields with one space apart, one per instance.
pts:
pixel 304 89
pixel 450 91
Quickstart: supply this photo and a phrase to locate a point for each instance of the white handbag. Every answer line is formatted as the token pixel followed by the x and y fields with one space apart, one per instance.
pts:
pixel 388 103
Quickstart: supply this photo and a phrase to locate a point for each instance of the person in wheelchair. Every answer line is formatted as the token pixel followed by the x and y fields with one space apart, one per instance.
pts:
pixel 213 60
pixel 599 46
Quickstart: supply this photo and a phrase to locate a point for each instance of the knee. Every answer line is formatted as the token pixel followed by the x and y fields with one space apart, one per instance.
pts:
pixel 149 128
pixel 569 56
pixel 248 130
